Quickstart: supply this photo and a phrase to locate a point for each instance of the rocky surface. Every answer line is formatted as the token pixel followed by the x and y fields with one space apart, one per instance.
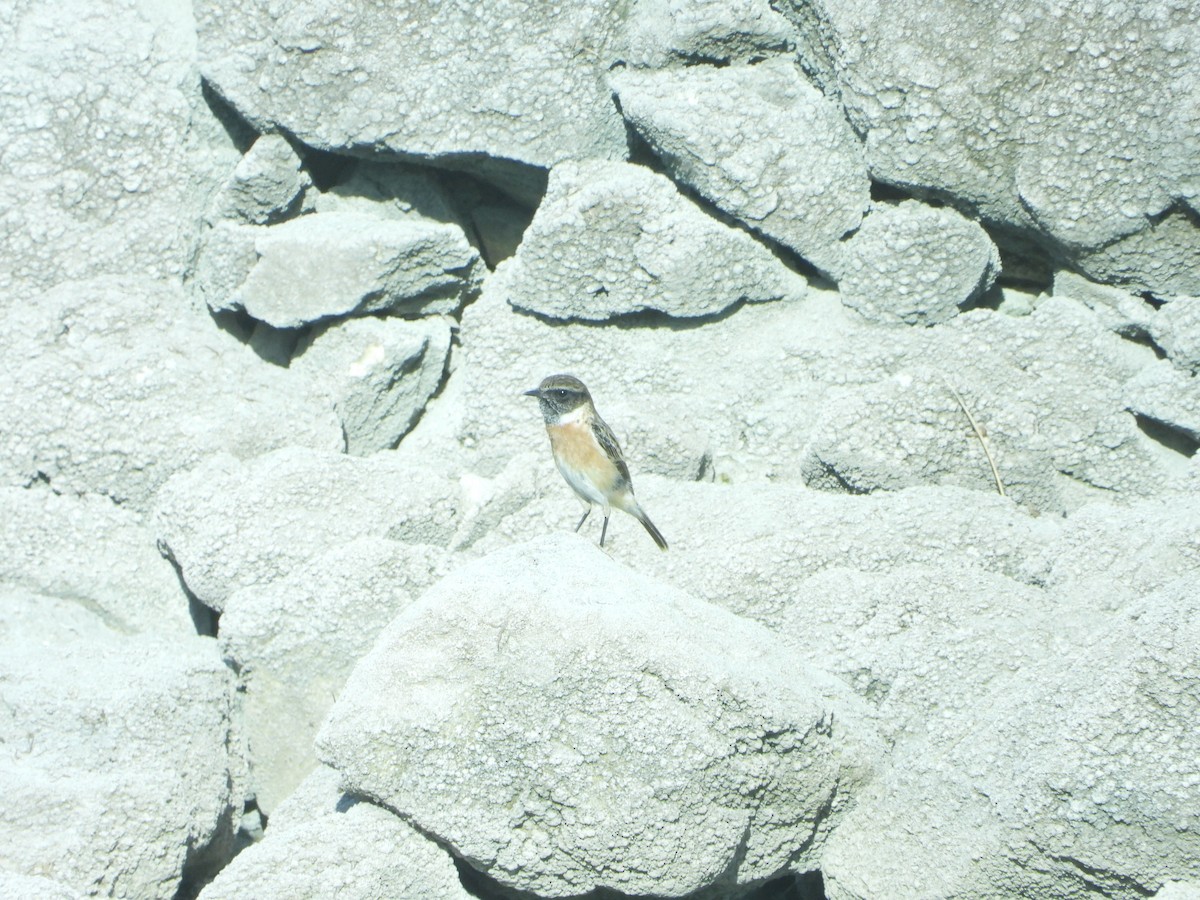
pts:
pixel 893 310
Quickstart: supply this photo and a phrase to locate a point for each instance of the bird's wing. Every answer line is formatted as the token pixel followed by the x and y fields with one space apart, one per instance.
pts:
pixel 608 442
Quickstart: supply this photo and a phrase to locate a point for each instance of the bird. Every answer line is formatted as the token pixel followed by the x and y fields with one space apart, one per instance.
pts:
pixel 586 452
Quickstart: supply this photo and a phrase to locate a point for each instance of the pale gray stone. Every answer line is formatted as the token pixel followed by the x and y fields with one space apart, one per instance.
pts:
pixel 505 709
pixel 614 238
pixel 914 264
pixel 294 641
pixel 90 551
pixel 267 184
pixel 1030 133
pixel 1177 330
pixel 120 757
pixel 336 264
pixel 390 191
pixel 34 887
pixel 509 80
pixel 380 372
pixel 661 32
pixel 232 524
pixel 760 143
pixel 1163 258
pixel 1072 774
pixel 1167 395
pixel 323 843
pixel 112 385
pixel 110 154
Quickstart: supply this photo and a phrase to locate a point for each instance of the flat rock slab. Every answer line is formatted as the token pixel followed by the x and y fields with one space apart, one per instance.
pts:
pixel 89 550
pixel 614 238
pixel 511 80
pixel 566 724
pixel 344 263
pixel 323 843
pixel 759 142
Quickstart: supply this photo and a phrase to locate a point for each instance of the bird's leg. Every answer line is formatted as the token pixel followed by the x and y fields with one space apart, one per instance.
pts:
pixel 604 529
pixel 587 512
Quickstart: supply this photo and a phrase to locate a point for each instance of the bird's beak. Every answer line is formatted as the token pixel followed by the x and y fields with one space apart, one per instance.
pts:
pixel 533 393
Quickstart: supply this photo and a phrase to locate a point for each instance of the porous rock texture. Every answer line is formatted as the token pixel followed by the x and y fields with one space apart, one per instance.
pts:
pixel 892 307
pixel 507 709
pixel 326 843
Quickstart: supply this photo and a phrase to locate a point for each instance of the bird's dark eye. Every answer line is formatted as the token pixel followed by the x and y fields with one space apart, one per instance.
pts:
pixel 561 393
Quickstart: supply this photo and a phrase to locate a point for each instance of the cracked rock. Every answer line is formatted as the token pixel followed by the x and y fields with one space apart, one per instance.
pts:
pixel 267 184
pixel 323 843
pixel 504 710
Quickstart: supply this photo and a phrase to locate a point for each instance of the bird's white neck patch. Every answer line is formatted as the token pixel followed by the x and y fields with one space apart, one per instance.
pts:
pixel 577 416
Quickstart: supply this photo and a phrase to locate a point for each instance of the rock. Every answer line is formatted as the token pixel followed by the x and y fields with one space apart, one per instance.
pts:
pixel 1054 420
pixel 121 766
pixel 336 264
pixel 913 264
pixel 749 547
pixel 615 238
pixel 233 525
pixel 1176 329
pixel 1047 784
pixel 111 154
pixel 381 373
pixel 34 887
pixel 112 385
pixel 267 185
pixel 660 32
pixel 1179 890
pixel 505 709
pixel 1170 397
pixel 1125 313
pixel 761 144
pixel 508 81
pixel 1162 258
pixel 1028 135
pixel 323 843
pixel 293 642
pixel 89 551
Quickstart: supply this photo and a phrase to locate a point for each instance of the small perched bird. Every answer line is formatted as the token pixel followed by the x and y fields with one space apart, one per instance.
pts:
pixel 586 452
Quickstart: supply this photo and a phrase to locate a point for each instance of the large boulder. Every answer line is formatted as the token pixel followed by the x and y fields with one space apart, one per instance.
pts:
pixel 293 641
pixel 337 264
pixel 505 710
pixel 1077 126
pixel 111 154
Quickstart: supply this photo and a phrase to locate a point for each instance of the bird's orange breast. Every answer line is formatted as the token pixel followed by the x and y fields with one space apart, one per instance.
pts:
pixel 575 446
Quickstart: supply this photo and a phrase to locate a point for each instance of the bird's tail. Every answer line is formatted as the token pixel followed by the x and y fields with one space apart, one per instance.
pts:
pixel 641 516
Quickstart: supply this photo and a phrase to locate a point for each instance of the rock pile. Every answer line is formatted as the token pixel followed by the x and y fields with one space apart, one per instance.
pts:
pixel 892 307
